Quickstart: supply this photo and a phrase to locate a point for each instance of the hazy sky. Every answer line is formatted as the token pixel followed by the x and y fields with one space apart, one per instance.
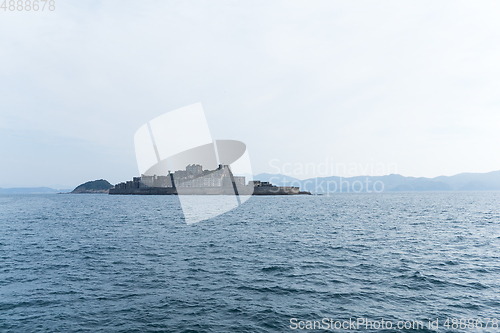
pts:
pixel 412 85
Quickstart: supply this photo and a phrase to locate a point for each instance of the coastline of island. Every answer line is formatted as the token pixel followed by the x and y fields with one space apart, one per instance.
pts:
pixel 196 181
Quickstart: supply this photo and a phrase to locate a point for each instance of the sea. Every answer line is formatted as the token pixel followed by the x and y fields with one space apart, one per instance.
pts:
pixel 385 262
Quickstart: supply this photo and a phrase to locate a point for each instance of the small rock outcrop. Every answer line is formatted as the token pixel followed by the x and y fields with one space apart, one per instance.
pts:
pixel 94 186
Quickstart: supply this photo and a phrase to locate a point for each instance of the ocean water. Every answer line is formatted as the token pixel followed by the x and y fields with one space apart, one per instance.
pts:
pixel 99 263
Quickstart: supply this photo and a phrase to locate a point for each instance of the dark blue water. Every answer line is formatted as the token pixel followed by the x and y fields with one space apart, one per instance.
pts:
pixel 98 263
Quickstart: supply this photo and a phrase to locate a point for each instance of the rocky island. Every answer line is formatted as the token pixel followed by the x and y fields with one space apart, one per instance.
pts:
pixel 94 186
pixel 196 181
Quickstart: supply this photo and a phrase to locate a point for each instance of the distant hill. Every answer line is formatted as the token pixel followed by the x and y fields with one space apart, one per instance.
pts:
pixel 462 182
pixel 473 181
pixel 94 186
pixel 31 190
pixel 390 183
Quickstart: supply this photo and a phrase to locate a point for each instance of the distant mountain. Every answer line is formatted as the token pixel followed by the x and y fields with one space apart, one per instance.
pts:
pixel 31 190
pixel 475 181
pixel 94 186
pixel 461 182
pixel 390 183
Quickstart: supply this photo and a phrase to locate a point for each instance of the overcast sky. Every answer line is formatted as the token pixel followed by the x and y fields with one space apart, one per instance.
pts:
pixel 411 85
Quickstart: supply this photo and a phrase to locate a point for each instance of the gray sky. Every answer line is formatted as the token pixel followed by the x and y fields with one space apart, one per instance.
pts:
pixel 405 86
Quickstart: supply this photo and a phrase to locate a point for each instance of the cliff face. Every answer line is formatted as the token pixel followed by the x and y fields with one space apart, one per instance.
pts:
pixel 95 186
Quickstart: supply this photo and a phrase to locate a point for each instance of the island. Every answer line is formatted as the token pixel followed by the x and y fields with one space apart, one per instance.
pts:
pixel 94 186
pixel 196 181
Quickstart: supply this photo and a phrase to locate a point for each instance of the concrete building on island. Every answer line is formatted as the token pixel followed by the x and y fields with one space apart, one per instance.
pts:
pixel 195 180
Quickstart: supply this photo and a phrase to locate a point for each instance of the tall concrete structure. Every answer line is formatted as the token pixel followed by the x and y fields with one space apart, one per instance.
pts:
pixel 195 180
